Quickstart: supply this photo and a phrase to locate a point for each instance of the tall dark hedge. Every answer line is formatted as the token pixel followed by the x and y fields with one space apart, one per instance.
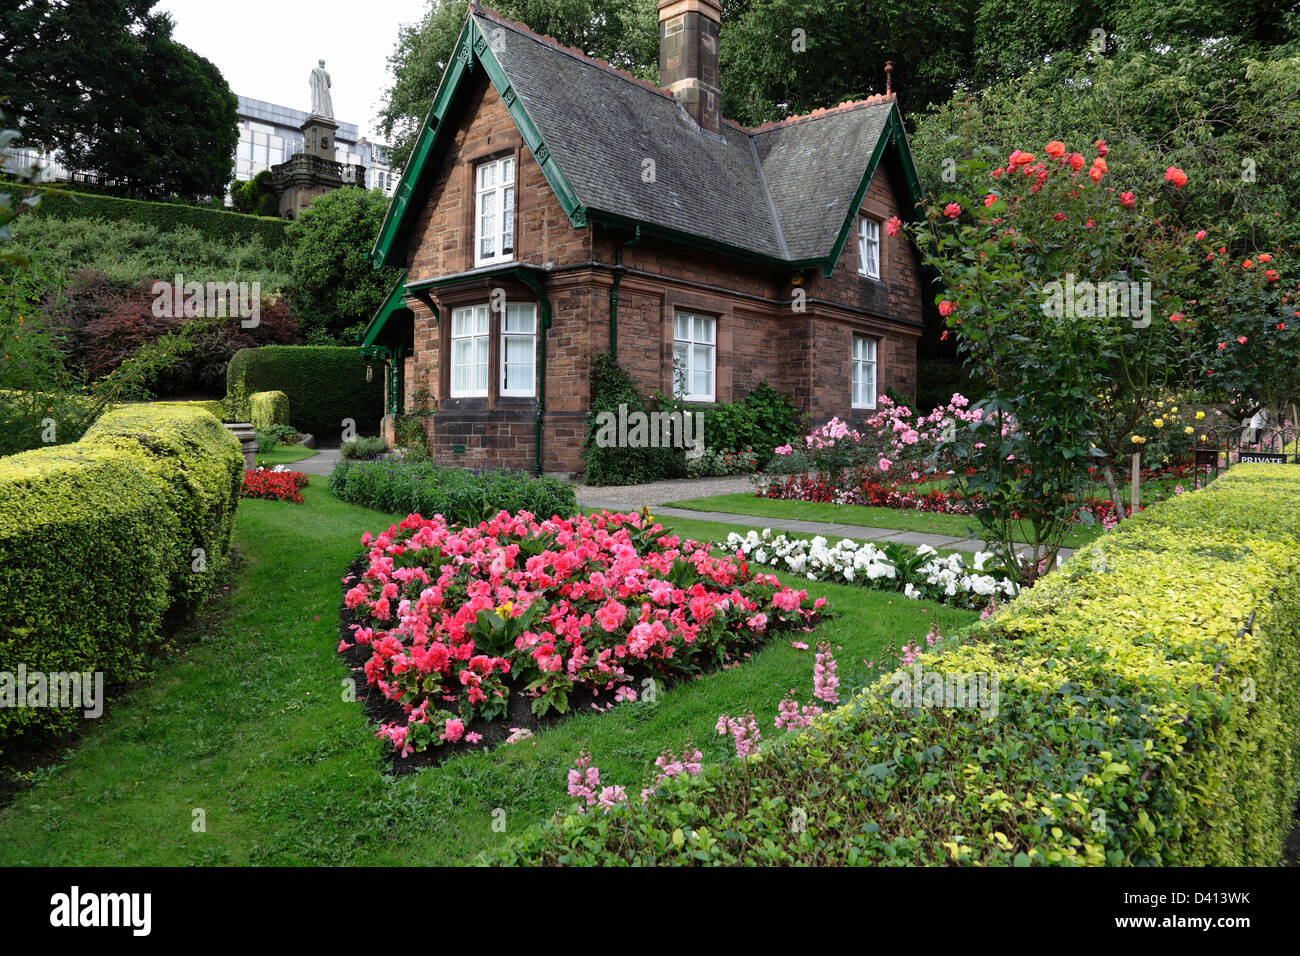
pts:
pixel 325 384
pixel 213 223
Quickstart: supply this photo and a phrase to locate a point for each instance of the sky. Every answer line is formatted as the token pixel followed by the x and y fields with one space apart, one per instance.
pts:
pixel 266 48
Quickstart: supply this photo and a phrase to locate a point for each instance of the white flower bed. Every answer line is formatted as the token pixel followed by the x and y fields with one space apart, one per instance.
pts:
pixel 929 577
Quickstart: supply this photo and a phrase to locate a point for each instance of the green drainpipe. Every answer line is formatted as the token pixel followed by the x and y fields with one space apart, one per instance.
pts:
pixel 613 290
pixel 531 280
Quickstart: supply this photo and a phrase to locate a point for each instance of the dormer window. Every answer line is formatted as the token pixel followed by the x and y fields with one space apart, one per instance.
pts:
pixel 869 248
pixel 494 212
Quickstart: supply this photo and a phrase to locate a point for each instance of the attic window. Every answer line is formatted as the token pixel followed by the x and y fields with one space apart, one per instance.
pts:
pixel 869 248
pixel 494 212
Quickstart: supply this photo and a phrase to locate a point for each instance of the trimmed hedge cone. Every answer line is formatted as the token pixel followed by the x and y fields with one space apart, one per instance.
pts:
pixel 1148 714
pixel 102 539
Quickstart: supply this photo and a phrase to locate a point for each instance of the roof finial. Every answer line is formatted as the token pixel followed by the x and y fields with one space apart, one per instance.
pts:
pixel 889 68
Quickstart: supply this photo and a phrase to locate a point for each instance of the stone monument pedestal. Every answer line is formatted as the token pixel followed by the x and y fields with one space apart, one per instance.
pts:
pixel 314 172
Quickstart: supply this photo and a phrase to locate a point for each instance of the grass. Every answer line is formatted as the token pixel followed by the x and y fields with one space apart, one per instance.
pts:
pixel 284 455
pixel 894 519
pixel 247 723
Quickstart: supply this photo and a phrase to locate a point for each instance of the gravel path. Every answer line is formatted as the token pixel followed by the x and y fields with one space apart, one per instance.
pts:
pixel 658 492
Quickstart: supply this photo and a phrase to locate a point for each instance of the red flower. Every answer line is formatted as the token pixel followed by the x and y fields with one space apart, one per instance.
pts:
pixel 1098 170
pixel 1200 234
pixel 1059 216
pixel 1222 346
pixel 1055 149
pixel 952 210
pixel 1264 257
pixel 1019 158
pixel 1077 161
pixel 989 200
pixel 1248 264
pixel 1126 200
pixel 1102 148
pixel 946 308
pixel 1176 176
pixel 892 225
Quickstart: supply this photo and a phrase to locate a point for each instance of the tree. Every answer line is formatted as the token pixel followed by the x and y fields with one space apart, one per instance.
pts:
pixel 102 83
pixel 254 196
pixel 335 290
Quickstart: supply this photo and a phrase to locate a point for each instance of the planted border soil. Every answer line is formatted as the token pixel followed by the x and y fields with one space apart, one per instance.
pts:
pixel 519 713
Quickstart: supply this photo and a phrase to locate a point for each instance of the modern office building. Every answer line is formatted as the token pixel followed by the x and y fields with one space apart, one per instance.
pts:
pixel 269 134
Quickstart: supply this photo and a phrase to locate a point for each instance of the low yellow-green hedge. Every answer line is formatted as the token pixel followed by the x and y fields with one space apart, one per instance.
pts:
pixel 1138 722
pixel 268 408
pixel 97 543
pixel 200 466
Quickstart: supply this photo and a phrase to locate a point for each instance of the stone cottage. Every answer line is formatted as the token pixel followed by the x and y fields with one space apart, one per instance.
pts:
pixel 555 207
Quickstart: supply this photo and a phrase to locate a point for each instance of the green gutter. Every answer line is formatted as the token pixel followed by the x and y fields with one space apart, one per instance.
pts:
pixel 613 291
pixel 529 279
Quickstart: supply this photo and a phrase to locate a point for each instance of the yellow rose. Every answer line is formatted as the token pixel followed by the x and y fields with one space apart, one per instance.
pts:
pixel 1159 423
pixel 1200 415
pixel 1188 430
pixel 1174 410
pixel 1202 438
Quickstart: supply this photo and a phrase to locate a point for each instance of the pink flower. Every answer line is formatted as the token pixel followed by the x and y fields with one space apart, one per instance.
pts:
pixel 1200 234
pixel 453 730
pixel 946 308
pixel 825 682
pixel 989 200
pixel 1241 340
pixel 952 210
pixel 1126 200
pixel 892 225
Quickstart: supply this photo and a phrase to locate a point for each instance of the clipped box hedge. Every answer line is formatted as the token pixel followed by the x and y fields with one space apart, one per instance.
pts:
pixel 1139 723
pixel 268 408
pixel 459 495
pixel 234 227
pixel 325 385
pixel 96 542
pixel 200 466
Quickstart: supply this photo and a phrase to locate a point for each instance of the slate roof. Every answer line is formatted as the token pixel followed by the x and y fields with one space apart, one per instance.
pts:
pixel 782 191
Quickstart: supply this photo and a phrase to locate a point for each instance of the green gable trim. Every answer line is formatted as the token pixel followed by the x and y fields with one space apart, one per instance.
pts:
pixel 892 134
pixel 471 46
pixel 396 299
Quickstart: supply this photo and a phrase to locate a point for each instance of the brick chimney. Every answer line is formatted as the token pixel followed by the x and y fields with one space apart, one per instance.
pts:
pixel 688 57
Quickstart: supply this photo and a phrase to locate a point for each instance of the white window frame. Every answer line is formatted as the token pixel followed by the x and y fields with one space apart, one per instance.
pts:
pixel 695 339
pixel 497 199
pixel 479 331
pixel 531 336
pixel 864 355
pixel 868 237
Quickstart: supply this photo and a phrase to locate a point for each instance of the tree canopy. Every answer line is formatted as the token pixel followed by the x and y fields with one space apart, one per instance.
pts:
pixel 103 84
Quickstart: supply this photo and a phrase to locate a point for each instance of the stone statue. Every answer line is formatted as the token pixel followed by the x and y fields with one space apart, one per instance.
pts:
pixel 322 104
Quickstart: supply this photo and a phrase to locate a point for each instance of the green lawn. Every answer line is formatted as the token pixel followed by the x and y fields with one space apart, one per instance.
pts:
pixel 284 455
pixel 895 519
pixel 248 724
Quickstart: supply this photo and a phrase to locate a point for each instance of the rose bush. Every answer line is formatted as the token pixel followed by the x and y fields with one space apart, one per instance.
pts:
pixel 455 619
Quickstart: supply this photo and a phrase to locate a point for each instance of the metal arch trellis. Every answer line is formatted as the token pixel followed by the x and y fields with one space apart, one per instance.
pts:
pixel 1227 445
